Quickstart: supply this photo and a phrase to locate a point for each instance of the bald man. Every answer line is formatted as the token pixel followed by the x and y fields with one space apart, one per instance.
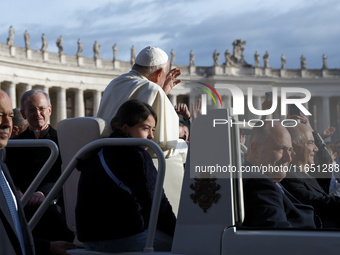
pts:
pixel 10 232
pixel 267 203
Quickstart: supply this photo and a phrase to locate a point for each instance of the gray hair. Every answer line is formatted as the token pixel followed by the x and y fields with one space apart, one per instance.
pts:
pixel 296 134
pixel 30 93
pixel 18 120
pixel 296 138
pixel 147 70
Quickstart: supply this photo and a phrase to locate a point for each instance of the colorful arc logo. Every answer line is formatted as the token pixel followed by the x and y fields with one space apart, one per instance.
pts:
pixel 209 93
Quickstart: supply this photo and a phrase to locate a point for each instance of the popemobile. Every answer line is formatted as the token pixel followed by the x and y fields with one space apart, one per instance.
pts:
pixel 211 207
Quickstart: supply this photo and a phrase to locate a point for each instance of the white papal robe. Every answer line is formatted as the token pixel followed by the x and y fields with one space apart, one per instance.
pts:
pixel 134 85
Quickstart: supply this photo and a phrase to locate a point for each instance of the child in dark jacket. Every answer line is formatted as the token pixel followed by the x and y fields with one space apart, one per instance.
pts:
pixel 112 217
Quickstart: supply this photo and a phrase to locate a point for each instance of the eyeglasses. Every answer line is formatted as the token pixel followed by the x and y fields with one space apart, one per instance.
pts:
pixel 35 109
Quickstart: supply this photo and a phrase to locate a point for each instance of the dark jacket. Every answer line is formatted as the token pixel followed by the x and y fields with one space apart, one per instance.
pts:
pixel 25 163
pixel 322 158
pixel 105 211
pixel 306 189
pixel 267 205
pixel 9 243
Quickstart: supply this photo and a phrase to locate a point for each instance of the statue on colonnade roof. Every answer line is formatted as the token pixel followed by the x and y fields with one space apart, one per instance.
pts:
pixel 80 48
pixel 237 56
pixel 27 40
pixel 10 38
pixel 44 43
pixel 60 44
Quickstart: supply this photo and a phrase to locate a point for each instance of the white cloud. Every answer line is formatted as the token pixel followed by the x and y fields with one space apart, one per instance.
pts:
pixel 290 27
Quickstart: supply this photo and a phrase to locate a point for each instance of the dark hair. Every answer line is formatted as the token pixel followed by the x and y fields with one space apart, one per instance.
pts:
pixel 131 113
pixel 18 120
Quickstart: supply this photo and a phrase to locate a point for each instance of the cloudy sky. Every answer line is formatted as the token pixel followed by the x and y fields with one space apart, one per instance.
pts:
pixel 290 27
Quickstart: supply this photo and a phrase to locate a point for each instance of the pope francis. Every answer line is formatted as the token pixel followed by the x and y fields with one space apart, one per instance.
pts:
pixel 151 81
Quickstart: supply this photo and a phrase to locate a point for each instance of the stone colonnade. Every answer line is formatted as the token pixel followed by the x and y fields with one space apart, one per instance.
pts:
pixel 80 102
pixel 75 85
pixel 66 103
pixel 325 109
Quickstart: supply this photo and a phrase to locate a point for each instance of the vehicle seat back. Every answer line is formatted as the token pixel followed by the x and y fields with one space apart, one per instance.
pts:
pixel 200 225
pixel 73 134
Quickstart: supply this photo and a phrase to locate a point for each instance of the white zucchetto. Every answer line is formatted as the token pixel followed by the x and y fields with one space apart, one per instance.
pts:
pixel 151 56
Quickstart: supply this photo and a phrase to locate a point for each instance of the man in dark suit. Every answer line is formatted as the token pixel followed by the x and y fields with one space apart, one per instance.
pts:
pixel 9 236
pixel 304 186
pixel 11 211
pixel 36 109
pixel 267 203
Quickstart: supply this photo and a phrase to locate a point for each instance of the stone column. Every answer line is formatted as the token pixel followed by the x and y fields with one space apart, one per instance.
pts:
pixel 21 90
pixel 97 95
pixel 11 91
pixel 173 99
pixel 192 100
pixel 325 120
pixel 79 105
pixel 257 103
pixel 46 89
pixel 277 113
pixel 226 100
pixel 27 87
pixel 61 107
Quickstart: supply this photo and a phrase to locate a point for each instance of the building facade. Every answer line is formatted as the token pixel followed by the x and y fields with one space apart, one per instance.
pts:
pixel 76 83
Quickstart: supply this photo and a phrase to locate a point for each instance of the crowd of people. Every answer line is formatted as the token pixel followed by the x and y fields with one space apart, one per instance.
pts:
pixel 298 187
pixel 145 88
pixel 136 106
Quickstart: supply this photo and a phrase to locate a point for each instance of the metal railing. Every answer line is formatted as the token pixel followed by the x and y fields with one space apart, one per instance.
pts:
pixel 46 167
pixel 113 142
pixel 237 177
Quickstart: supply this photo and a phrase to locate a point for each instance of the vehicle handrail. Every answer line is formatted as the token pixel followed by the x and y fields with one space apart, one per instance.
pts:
pixel 113 142
pixel 237 177
pixel 46 167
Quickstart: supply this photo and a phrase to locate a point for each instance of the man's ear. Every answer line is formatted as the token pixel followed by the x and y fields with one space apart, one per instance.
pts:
pixel 50 110
pixel 23 114
pixel 15 130
pixel 158 76
pixel 124 128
